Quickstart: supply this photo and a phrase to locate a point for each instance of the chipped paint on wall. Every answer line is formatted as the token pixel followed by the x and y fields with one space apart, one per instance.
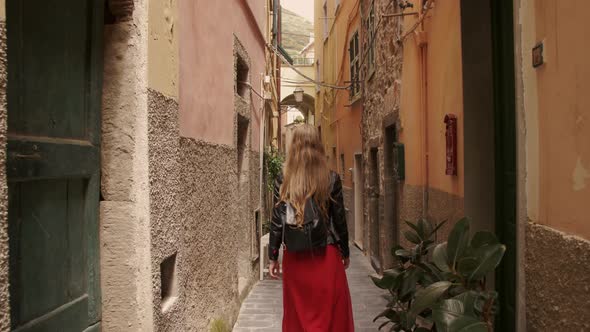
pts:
pixel 580 175
pixel 163 47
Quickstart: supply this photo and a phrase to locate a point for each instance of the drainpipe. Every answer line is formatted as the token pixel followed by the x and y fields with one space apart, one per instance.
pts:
pixel 261 180
pixel 421 39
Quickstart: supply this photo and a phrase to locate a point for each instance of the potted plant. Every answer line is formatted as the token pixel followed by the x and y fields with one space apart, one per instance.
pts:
pixel 441 287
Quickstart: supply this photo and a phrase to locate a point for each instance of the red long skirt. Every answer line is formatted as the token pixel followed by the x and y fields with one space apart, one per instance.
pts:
pixel 316 297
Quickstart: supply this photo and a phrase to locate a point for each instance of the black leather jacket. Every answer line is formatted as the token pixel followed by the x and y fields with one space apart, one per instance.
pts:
pixel 336 210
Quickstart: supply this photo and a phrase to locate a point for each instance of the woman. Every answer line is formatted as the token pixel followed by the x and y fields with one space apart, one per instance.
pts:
pixel 308 219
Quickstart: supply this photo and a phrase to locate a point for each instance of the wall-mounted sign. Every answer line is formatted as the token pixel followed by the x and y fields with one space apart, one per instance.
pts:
pixel 451 143
pixel 538 55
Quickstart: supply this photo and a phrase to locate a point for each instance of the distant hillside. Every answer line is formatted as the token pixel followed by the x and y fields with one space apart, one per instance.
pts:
pixel 296 30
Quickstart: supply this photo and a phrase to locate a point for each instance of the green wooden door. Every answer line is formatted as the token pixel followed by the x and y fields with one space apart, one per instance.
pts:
pixel 54 93
pixel 505 152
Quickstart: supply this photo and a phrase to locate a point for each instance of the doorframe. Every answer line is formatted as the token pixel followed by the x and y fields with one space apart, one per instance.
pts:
pixel 358 180
pixel 504 82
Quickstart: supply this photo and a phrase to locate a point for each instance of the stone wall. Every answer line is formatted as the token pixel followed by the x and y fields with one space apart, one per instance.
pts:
pixel 201 213
pixel 124 208
pixel 381 108
pixel 557 279
pixel 4 302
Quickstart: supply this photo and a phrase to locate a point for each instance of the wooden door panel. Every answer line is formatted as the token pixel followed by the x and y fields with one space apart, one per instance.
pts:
pixel 53 58
pixel 48 256
pixel 53 163
pixel 39 158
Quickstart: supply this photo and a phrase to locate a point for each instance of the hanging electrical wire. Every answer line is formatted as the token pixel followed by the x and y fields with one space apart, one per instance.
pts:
pixel 307 78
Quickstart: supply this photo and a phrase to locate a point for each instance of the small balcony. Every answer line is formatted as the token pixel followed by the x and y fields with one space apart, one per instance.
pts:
pixel 301 61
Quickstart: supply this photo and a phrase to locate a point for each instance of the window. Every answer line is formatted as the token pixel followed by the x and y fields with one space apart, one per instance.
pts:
pixel 168 282
pixel 342 165
pixel 334 159
pixel 370 40
pixel 353 49
pixel 242 78
pixel 325 18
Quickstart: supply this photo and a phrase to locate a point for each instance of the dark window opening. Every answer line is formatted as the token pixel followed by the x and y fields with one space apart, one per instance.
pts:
pixel 168 282
pixel 242 141
pixel 242 78
pixel 353 50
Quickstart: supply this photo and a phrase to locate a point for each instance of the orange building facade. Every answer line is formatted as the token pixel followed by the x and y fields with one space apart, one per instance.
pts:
pixel 338 109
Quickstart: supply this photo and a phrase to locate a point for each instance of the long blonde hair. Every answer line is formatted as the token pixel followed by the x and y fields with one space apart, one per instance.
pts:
pixel 306 173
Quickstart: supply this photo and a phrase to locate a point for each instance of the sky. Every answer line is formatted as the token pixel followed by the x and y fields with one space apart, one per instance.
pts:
pixel 301 7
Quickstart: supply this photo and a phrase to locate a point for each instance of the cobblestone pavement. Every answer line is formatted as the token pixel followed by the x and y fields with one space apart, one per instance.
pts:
pixel 262 310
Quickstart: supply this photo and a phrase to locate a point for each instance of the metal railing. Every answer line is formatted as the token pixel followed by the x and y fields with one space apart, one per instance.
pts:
pixel 301 61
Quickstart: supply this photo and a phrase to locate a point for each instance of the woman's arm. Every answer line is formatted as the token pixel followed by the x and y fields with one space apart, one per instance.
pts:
pixel 339 216
pixel 276 223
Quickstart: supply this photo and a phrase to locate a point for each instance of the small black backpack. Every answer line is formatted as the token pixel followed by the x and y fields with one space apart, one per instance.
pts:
pixel 316 231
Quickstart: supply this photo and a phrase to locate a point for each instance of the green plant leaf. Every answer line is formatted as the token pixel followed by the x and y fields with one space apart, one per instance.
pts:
pixel 488 259
pixel 440 257
pixel 458 241
pixel 431 269
pixel 385 282
pixel 469 299
pixel 408 282
pixel 450 316
pixel 483 238
pixel 401 259
pixel 403 253
pixel 468 324
pixel 416 228
pixel 467 265
pixel 428 296
pixel 393 272
pixel 390 314
pixel 437 228
pixel 426 227
pixel 422 329
pixel 412 237
pixel 446 312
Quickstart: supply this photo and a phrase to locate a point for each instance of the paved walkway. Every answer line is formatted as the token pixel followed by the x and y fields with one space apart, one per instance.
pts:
pixel 262 310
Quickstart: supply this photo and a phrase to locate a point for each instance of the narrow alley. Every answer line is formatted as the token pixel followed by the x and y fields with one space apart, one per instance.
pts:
pixel 262 309
pixel 150 149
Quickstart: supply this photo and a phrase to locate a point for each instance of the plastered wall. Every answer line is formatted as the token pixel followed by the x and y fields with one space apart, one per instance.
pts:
pixel 206 70
pixel 554 105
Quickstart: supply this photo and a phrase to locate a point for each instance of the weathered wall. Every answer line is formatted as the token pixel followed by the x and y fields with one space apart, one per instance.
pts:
pixel 124 208
pixel 381 105
pixel 556 162
pixel 163 47
pixel 338 115
pixel 557 280
pixel 416 113
pixel 195 213
pixel 206 74
pixel 202 199
pixel 423 107
pixel 4 302
pixel 561 84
